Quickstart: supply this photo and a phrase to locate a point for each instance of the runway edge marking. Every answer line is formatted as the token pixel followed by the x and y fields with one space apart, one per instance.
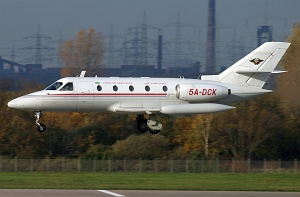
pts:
pixel 110 193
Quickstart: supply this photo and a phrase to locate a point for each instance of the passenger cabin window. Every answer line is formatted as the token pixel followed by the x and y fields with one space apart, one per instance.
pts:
pixel 115 88
pixel 67 87
pixel 147 88
pixel 54 86
pixel 131 88
pixel 165 88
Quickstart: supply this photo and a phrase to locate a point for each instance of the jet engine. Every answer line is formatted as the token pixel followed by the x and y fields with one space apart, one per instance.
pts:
pixel 200 92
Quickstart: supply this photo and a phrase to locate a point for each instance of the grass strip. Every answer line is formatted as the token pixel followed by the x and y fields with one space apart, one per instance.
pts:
pixel 151 181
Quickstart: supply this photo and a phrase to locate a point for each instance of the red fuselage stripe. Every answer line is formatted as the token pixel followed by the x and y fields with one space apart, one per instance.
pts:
pixel 109 94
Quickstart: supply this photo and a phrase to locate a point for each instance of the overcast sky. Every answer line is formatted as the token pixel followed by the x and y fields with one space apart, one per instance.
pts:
pixel 19 18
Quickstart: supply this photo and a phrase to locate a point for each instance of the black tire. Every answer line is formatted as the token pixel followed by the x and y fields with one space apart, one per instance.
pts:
pixel 41 128
pixel 142 125
pixel 154 131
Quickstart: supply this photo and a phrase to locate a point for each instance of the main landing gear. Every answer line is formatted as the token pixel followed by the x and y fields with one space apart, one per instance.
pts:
pixel 151 125
pixel 41 127
pixel 143 125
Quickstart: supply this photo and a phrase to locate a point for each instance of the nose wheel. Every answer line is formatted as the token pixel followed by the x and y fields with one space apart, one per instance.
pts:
pixel 41 127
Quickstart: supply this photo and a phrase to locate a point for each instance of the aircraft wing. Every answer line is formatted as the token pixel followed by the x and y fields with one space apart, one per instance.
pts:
pixel 199 108
pixel 135 110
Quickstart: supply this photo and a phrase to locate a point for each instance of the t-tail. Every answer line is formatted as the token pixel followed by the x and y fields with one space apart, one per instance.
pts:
pixel 254 69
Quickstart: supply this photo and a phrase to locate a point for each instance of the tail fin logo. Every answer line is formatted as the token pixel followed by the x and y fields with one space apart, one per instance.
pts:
pixel 256 61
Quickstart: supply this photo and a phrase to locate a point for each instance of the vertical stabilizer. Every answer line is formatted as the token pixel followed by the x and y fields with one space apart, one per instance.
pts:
pixel 255 68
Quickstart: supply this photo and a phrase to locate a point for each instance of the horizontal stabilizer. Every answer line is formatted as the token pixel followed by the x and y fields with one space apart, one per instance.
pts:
pixel 279 71
pixel 251 70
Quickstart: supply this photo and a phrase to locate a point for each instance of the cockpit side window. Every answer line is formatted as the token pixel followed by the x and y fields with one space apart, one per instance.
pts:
pixel 67 87
pixel 54 86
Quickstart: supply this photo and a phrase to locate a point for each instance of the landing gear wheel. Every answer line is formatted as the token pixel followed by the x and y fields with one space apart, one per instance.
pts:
pixel 154 131
pixel 142 125
pixel 41 128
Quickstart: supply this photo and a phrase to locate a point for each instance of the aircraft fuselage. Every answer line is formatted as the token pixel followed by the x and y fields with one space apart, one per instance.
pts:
pixel 93 94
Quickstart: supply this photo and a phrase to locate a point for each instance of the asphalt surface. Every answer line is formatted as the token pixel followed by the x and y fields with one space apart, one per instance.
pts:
pixel 136 193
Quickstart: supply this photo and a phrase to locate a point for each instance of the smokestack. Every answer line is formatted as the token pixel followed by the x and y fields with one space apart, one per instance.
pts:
pixel 159 53
pixel 211 36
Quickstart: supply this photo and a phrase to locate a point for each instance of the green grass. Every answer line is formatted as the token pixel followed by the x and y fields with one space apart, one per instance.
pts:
pixel 151 181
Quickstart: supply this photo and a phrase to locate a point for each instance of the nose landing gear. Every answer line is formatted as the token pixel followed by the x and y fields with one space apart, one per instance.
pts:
pixel 41 127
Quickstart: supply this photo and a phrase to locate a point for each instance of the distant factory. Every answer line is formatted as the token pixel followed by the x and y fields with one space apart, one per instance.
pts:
pixel 143 51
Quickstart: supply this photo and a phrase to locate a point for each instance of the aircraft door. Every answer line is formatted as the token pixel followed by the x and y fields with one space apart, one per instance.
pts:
pixel 85 96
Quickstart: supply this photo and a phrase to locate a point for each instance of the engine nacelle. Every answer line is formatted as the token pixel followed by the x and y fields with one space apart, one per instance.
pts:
pixel 200 92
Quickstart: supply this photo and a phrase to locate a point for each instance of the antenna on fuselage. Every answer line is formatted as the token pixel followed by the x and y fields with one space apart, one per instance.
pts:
pixel 82 73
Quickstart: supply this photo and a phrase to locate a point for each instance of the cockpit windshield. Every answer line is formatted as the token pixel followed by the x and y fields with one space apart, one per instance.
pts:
pixel 54 86
pixel 67 87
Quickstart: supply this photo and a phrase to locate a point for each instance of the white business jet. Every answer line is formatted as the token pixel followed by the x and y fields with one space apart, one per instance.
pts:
pixel 158 97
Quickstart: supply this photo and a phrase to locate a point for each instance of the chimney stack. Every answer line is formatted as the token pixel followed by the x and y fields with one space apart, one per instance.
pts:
pixel 211 37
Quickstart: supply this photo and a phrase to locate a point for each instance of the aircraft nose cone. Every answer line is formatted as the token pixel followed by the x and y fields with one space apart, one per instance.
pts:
pixel 12 103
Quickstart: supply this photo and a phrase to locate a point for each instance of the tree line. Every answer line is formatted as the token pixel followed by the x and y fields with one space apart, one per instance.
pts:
pixel 265 127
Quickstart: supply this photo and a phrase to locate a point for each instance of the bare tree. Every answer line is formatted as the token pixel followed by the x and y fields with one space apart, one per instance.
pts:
pixel 205 129
pixel 86 52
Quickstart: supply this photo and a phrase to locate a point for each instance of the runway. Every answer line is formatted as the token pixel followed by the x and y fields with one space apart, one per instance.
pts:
pixel 137 193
